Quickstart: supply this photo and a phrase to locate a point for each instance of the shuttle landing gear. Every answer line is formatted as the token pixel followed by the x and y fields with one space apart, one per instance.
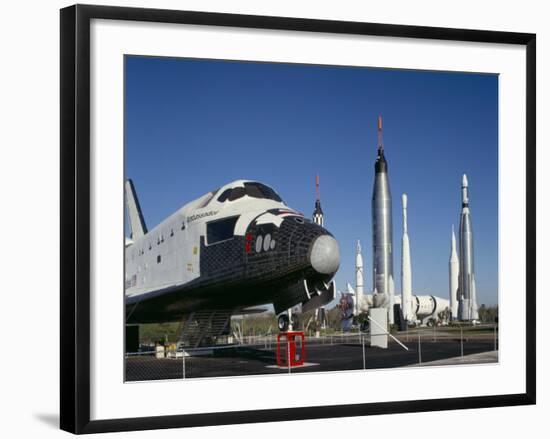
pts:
pixel 286 323
pixel 283 322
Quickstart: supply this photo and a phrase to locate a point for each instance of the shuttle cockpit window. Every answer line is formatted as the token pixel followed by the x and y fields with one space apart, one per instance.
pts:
pixel 206 199
pixel 254 190
pixel 232 194
pixel 259 190
pixel 220 230
pixel 237 193
pixel 225 195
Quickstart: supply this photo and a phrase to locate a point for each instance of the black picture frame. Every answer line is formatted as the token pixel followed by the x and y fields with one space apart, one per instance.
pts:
pixel 75 217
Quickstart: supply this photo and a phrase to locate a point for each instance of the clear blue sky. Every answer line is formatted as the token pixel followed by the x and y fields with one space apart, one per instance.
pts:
pixel 194 125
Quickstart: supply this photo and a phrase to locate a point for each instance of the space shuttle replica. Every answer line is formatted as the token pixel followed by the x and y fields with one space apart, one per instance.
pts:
pixel 467 302
pixel 382 237
pixel 236 247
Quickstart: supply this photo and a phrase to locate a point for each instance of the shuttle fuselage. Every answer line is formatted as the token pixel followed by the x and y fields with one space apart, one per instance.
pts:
pixel 235 247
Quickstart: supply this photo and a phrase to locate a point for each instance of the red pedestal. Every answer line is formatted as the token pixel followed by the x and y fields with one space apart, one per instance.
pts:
pixel 291 348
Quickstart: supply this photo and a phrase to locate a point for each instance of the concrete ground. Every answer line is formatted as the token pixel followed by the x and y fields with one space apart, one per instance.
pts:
pixel 250 360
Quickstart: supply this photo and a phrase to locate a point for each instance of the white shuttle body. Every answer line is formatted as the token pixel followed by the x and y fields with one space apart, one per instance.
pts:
pixel 235 247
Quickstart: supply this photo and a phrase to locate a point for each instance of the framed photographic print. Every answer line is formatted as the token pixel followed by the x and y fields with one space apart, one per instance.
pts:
pixel 293 205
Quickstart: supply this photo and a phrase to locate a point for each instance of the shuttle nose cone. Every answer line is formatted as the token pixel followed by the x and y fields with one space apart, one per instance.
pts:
pixel 325 255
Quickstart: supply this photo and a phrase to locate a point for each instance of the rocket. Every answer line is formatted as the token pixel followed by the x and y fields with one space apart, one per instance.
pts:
pixel 406 275
pixel 467 306
pixel 382 261
pixel 358 277
pixel 475 313
pixel 318 217
pixel 453 277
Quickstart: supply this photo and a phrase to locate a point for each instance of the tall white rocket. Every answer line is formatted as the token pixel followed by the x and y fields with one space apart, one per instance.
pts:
pixel 391 315
pixel 453 277
pixel 358 278
pixel 406 274
pixel 467 306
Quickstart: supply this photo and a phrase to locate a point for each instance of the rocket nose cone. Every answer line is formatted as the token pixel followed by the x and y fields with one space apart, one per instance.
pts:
pixel 464 180
pixel 325 255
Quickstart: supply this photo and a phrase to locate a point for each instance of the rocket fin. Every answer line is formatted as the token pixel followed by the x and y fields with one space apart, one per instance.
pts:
pixel 135 217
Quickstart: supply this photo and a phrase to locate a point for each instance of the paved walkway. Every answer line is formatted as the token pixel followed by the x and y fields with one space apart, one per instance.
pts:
pixel 482 357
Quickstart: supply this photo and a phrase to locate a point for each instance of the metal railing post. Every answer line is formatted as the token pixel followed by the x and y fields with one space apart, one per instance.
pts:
pixel 288 353
pixel 495 335
pixel 461 343
pixel 419 349
pixel 364 358
pixel 183 363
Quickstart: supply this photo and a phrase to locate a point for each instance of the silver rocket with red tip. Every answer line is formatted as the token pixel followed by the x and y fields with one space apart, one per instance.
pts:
pixel 318 217
pixel 382 236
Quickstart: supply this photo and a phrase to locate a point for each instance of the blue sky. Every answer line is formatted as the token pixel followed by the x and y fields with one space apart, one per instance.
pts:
pixel 194 125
